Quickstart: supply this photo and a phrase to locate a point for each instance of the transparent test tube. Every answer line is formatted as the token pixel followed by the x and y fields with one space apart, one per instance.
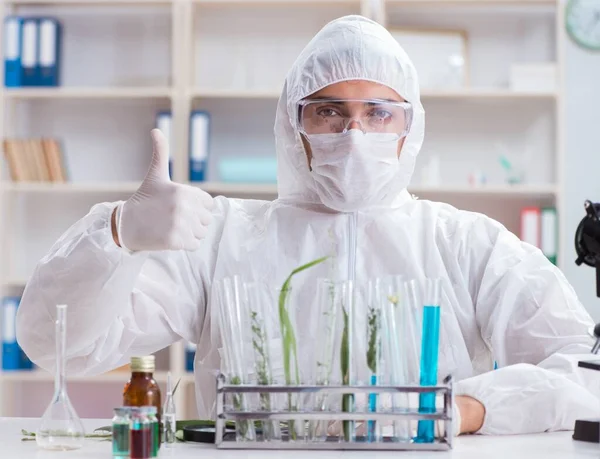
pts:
pixel 169 417
pixel 429 357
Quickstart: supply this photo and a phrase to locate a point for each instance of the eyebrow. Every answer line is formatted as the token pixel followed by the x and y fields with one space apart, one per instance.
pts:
pixel 336 99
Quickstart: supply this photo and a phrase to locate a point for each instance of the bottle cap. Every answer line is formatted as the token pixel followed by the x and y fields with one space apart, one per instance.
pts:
pixel 143 364
pixel 149 409
pixel 122 411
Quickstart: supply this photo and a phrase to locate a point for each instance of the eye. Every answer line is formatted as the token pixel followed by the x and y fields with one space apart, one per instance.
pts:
pixel 327 112
pixel 382 114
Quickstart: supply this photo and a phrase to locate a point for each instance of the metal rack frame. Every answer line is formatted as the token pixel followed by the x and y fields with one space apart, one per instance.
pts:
pixel 224 414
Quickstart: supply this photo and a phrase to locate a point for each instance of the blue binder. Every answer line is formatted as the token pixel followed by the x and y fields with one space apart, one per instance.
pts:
pixel 199 145
pixel 164 122
pixel 29 52
pixel 12 51
pixel 50 38
pixel 11 353
pixel 190 354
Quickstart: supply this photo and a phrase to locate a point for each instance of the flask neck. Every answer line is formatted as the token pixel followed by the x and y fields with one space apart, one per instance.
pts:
pixel 141 374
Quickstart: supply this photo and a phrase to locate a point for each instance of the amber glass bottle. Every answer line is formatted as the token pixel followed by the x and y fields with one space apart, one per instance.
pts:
pixel 142 389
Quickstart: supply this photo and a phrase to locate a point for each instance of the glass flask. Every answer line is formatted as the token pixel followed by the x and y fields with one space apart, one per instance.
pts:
pixel 60 428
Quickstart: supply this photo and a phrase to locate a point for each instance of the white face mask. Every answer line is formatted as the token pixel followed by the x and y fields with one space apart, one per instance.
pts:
pixel 353 170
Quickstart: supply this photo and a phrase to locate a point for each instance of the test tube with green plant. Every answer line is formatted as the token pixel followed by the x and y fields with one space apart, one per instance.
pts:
pixel 232 317
pixel 395 348
pixel 324 345
pixel 373 353
pixel 346 354
pixel 262 312
pixel 289 343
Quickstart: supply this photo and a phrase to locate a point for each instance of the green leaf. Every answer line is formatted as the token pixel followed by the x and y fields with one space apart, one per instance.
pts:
pixel 288 336
pixel 105 429
pixel 176 386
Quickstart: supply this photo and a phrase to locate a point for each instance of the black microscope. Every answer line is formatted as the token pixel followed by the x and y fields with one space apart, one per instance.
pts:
pixel 587 246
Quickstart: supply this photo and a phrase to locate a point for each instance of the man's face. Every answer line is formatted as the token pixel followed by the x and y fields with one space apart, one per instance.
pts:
pixel 355 89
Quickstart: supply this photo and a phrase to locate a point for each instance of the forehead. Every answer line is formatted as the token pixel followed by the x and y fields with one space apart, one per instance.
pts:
pixel 358 89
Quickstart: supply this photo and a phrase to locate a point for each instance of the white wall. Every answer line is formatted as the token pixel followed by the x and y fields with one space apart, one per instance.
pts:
pixel 582 162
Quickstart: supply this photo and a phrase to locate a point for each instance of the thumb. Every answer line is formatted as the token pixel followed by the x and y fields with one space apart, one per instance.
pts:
pixel 159 167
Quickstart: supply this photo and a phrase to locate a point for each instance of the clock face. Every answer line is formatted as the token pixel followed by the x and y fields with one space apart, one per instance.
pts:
pixel 583 22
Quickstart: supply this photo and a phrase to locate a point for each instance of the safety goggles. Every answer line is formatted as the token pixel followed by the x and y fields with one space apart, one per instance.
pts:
pixel 329 116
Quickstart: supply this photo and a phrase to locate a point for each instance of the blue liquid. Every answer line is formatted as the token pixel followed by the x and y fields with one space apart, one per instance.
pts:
pixel 429 369
pixel 372 409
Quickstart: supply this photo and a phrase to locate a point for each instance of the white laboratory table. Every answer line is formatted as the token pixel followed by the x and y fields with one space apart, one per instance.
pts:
pixel 544 446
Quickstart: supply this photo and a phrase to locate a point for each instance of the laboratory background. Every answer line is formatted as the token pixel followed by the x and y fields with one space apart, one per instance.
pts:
pixel 510 89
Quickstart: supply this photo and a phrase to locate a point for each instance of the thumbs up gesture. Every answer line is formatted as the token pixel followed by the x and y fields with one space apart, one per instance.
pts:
pixel 162 215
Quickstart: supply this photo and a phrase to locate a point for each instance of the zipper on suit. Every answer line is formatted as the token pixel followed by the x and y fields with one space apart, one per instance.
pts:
pixel 352 223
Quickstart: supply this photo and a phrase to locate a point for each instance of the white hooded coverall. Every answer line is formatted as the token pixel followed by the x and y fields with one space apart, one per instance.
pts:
pixel 502 299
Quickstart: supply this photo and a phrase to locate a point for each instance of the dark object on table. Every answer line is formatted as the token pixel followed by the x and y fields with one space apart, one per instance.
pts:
pixel 587 430
pixel 587 246
pixel 203 433
pixel 587 240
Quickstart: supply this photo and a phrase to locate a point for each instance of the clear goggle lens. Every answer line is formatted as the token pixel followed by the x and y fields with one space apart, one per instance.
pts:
pixel 329 116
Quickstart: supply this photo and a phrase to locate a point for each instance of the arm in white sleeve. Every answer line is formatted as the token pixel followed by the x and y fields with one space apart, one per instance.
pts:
pixel 120 303
pixel 537 329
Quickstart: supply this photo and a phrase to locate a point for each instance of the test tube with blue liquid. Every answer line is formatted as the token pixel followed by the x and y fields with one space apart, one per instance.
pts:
pixel 375 359
pixel 430 339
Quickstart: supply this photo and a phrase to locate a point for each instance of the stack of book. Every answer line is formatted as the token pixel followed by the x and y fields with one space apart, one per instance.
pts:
pixel 39 160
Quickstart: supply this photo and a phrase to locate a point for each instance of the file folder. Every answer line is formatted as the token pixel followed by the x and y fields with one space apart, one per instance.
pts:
pixel 199 142
pixel 49 52
pixel 29 53
pixel 190 354
pixel 164 123
pixel 531 226
pixel 549 234
pixel 11 353
pixel 12 51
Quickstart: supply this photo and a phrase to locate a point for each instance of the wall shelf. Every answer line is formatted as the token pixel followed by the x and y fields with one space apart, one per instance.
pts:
pixel 87 2
pixel 38 375
pixel 15 282
pixel 89 93
pixel 523 3
pixel 524 191
pixel 311 3
pixel 468 93
pixel 47 187
pixel 225 189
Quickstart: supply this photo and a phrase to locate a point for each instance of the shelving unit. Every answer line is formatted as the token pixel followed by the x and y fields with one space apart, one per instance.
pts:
pixel 89 93
pixel 230 58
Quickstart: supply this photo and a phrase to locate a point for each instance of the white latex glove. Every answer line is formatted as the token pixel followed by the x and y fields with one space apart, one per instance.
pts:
pixel 161 214
pixel 456 419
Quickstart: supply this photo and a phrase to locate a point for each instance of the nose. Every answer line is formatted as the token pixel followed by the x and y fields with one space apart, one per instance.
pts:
pixel 354 124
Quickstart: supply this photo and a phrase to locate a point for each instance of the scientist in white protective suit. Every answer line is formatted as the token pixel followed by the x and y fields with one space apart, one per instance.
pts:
pixel 137 274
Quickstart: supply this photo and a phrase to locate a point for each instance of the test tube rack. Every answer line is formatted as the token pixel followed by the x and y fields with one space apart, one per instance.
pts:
pixel 443 415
